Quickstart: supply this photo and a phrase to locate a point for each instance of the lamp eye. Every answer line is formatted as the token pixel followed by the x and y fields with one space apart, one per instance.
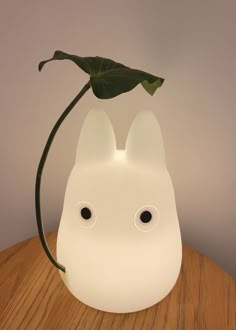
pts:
pixel 86 213
pixel 146 218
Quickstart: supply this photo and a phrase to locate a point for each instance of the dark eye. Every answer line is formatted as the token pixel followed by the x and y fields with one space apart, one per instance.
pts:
pixel 146 216
pixel 86 214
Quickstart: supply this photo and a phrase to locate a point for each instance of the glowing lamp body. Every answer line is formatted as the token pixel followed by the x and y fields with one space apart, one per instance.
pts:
pixel 119 237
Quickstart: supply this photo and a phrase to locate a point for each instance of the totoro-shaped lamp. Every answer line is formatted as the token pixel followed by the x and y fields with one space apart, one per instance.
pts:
pixel 119 238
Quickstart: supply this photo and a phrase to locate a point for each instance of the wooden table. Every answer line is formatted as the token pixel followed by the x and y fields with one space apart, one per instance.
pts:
pixel 32 296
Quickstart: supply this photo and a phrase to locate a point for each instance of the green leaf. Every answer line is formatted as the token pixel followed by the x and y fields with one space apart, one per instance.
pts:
pixel 108 78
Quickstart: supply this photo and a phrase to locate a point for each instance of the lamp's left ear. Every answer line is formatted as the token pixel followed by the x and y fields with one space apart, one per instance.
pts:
pixel 144 143
pixel 97 139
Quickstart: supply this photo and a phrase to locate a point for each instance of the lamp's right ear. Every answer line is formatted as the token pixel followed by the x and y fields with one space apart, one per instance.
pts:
pixel 97 139
pixel 144 143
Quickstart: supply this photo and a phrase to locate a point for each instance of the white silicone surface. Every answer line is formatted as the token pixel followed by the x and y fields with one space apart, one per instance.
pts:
pixel 113 261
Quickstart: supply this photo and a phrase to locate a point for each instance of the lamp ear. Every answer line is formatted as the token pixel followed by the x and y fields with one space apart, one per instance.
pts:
pixel 97 139
pixel 144 143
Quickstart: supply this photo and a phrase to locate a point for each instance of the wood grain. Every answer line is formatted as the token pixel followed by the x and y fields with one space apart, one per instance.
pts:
pixel 32 296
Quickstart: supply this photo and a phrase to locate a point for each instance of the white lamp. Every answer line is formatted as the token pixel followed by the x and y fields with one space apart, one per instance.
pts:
pixel 119 237
pixel 119 242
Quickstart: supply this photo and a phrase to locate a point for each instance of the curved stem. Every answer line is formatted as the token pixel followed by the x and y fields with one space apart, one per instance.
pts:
pixel 40 171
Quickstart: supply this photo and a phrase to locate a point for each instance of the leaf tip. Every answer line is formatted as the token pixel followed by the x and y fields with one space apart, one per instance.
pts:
pixel 151 87
pixel 40 66
pixel 161 81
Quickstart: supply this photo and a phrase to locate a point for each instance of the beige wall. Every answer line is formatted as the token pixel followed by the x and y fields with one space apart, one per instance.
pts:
pixel 190 43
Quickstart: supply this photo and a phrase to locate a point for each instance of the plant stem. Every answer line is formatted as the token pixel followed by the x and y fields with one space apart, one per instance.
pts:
pixel 40 171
